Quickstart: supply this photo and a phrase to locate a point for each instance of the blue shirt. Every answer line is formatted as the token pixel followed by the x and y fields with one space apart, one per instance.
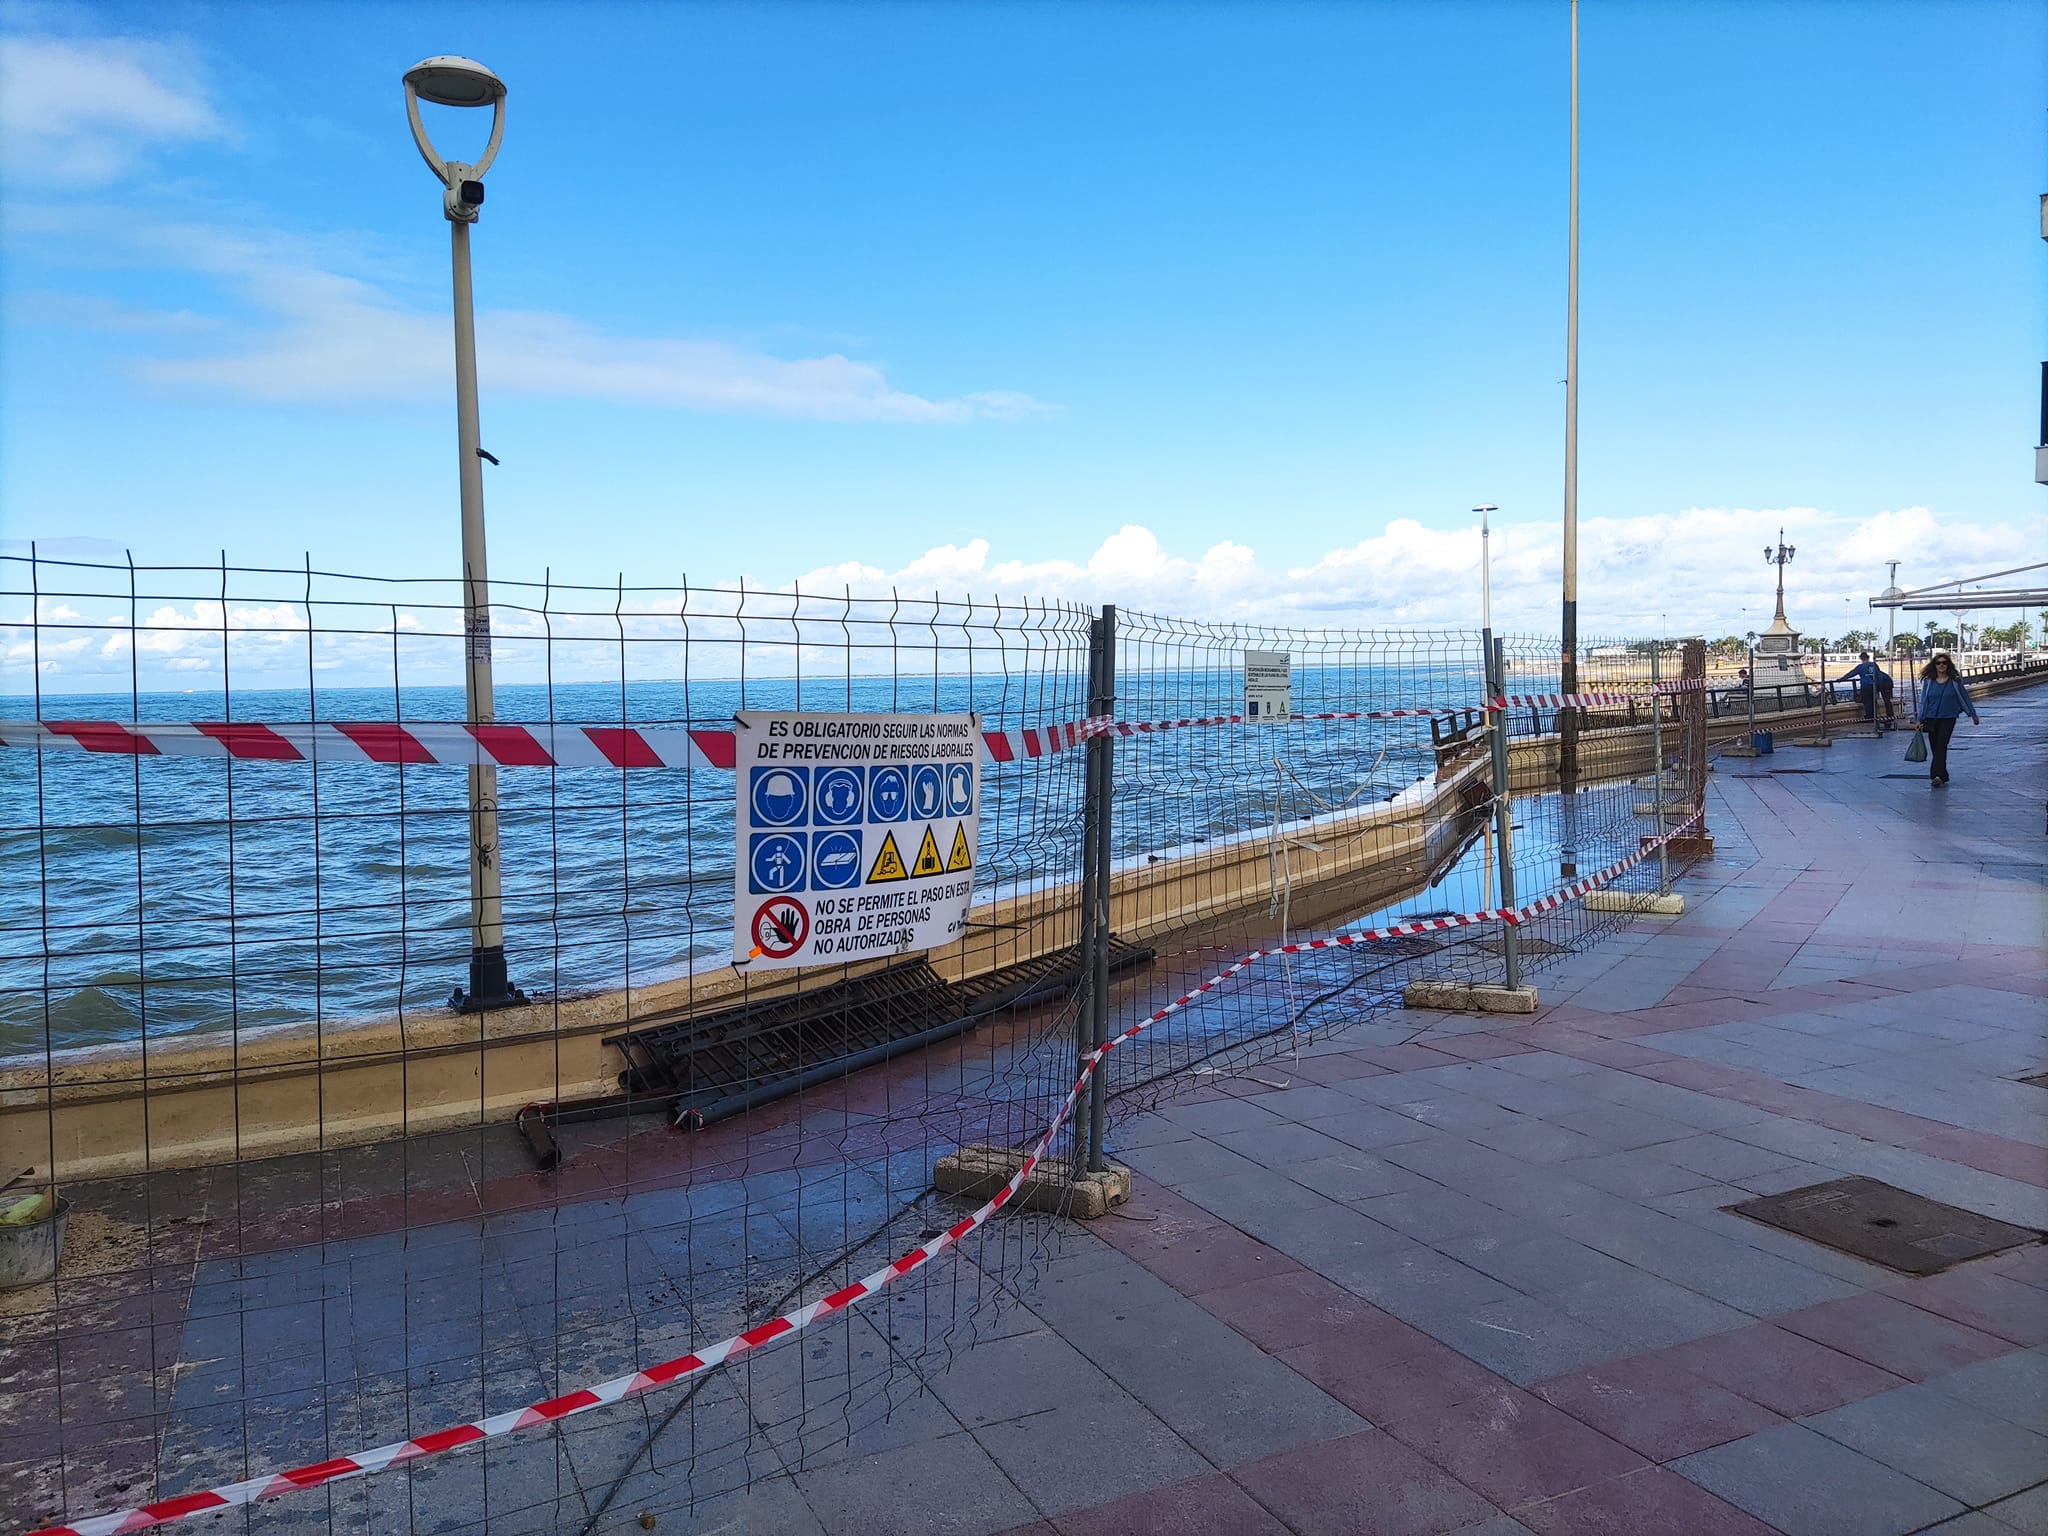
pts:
pixel 1945 700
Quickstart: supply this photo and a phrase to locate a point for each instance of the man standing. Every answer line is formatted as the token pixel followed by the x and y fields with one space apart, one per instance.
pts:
pixel 1864 676
pixel 1884 693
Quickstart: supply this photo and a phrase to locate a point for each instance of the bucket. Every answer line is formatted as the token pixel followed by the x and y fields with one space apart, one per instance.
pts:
pixel 28 1255
pixel 1761 742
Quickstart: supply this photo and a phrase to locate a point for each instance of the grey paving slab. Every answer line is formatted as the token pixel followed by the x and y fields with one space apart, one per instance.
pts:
pixel 1221 1116
pixel 1196 1160
pixel 1368 1127
pixel 2026 1512
pixel 1353 1175
pixel 1717 1156
pixel 2014 1387
pixel 1238 1405
pixel 1056 1458
pixel 1532 1259
pixel 1527 1339
pixel 1805 1484
pixel 1538 1141
pixel 1432 1214
pixel 1282 1144
pixel 1634 1174
pixel 956 1487
pixel 1645 1311
pixel 1940 1441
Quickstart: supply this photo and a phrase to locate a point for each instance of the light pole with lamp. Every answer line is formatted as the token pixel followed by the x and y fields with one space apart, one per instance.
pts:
pixel 449 81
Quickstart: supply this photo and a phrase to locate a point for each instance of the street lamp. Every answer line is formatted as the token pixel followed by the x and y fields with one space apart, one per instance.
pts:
pixel 1485 566
pixel 448 81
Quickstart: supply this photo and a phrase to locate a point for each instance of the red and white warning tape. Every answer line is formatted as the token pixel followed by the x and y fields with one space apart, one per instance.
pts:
pixel 595 746
pixel 503 746
pixel 668 1372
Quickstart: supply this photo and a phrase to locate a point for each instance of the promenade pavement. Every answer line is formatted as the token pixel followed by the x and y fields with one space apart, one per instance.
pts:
pixel 1435 1274
pixel 1447 1274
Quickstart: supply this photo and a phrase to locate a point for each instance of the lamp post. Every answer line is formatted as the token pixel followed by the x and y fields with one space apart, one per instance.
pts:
pixel 1568 662
pixel 456 82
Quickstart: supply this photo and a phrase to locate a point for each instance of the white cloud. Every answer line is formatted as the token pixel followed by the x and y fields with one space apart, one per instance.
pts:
pixel 323 335
pixel 1697 571
pixel 81 111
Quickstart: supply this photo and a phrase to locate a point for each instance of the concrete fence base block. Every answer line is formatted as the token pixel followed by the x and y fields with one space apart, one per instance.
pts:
pixel 1635 901
pixel 978 1172
pixel 1468 997
pixel 1691 848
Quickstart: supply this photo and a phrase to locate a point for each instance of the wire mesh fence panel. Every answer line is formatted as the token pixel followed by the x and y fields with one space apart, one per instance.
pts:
pixel 315 1208
pixel 294 1172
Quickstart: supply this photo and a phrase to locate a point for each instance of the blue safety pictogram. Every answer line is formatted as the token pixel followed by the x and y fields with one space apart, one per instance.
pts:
pixel 888 793
pixel 775 863
pixel 779 795
pixel 927 792
pixel 959 789
pixel 835 861
pixel 837 798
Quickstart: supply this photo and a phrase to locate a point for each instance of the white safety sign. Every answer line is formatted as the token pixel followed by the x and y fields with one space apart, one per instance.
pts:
pixel 1268 694
pixel 856 835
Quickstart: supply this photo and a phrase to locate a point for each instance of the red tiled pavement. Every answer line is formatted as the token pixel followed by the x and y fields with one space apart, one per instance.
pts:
pixel 1656 1407
pixel 1513 1447
pixel 1894 1336
pixel 1652 1502
pixel 1366 1484
pixel 1785 1372
pixel 1202 1506
pixel 1985 1300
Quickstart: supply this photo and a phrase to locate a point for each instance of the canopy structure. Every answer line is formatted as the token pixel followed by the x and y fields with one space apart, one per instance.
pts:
pixel 1966 592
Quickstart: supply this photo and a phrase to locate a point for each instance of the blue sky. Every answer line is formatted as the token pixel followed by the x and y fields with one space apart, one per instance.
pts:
pixel 1218 309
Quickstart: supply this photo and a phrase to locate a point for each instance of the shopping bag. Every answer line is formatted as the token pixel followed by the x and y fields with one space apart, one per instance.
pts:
pixel 1916 749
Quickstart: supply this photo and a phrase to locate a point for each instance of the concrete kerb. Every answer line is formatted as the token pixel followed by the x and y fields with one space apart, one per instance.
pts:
pixel 977 1172
pixel 1468 997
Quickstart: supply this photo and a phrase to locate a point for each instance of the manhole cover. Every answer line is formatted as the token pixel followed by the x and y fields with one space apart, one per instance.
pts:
pixel 1893 1227
pixel 1902 775
pixel 1795 770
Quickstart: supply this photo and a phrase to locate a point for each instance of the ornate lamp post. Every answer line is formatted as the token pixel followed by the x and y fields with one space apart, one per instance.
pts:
pixel 1779 644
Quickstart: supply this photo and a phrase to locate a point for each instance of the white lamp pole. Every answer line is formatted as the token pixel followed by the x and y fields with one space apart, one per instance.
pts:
pixel 456 82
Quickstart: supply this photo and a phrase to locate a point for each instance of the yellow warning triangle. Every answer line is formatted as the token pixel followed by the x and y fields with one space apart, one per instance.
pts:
pixel 928 861
pixel 888 863
pixel 963 856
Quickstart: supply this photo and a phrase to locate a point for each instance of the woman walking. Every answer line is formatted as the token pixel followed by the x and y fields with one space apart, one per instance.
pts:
pixel 1942 702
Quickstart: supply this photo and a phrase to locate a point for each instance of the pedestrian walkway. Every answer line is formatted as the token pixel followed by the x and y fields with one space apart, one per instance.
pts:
pixel 1447 1274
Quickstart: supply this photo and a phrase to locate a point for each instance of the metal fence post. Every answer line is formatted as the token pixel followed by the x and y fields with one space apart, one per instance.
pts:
pixel 1503 820
pixel 1657 771
pixel 1086 1025
pixel 1692 741
pixel 1102 776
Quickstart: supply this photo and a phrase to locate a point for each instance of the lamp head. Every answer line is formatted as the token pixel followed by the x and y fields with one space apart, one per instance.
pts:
pixel 450 81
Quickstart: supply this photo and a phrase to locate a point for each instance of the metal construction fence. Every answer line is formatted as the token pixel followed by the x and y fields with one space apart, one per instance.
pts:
pixel 315 1210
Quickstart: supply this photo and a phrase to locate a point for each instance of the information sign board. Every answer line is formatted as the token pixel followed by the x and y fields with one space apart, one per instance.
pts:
pixel 1268 694
pixel 857 835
